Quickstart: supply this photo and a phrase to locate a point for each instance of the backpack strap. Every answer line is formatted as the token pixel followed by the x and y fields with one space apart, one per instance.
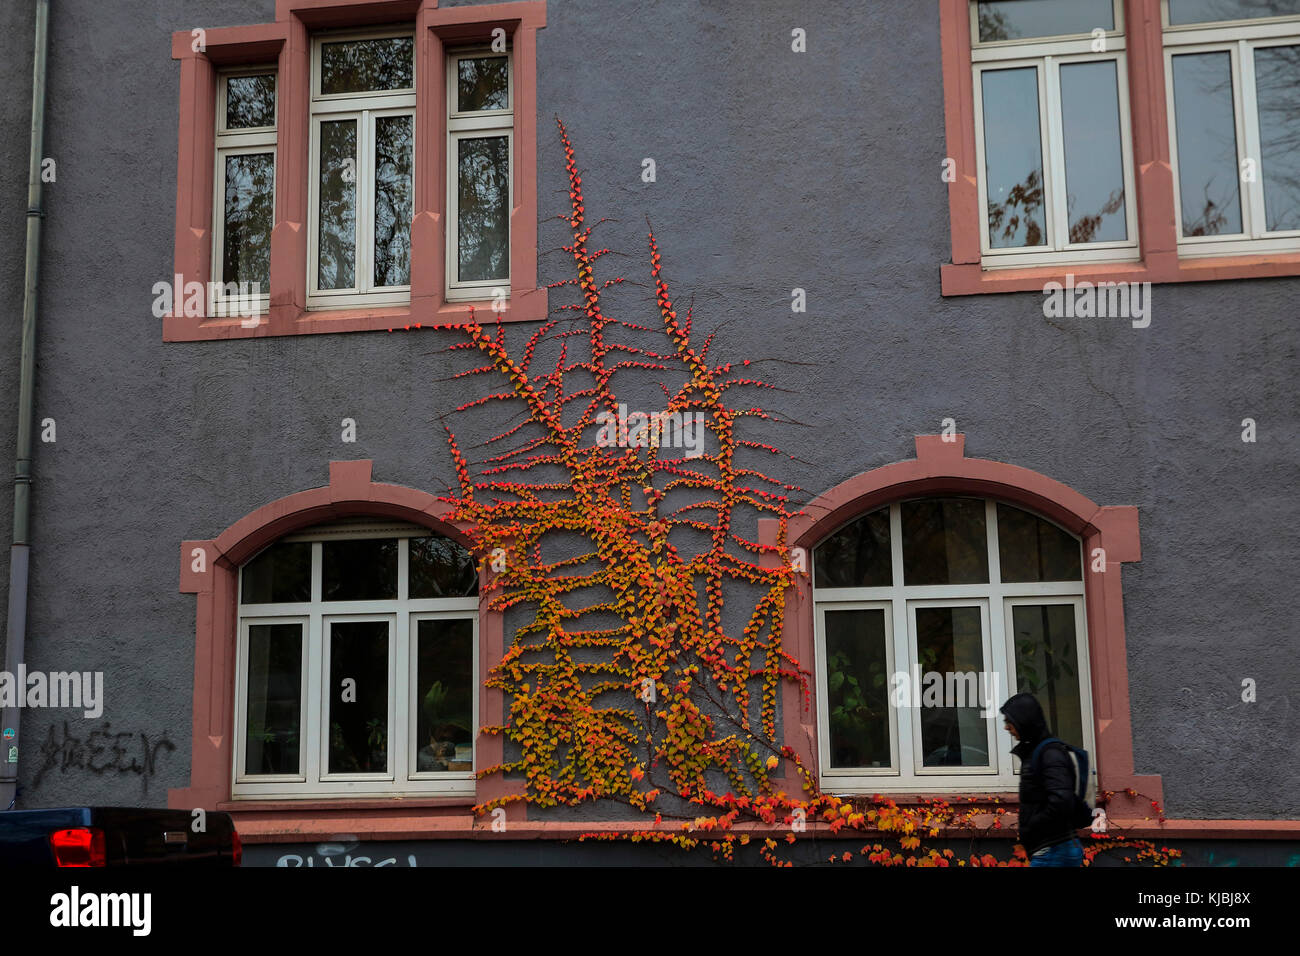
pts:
pixel 1033 758
pixel 1079 760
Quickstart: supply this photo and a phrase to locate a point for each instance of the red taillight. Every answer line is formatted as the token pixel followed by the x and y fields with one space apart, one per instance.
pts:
pixel 236 847
pixel 83 846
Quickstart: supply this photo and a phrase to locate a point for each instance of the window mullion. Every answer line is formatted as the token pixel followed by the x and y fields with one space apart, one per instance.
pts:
pixel 314 698
pixel 1252 192
pixel 901 739
pixel 365 199
pixel 1054 200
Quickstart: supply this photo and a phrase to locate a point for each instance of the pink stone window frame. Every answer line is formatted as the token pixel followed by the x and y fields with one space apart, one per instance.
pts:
pixel 942 468
pixel 1149 115
pixel 286 43
pixel 209 569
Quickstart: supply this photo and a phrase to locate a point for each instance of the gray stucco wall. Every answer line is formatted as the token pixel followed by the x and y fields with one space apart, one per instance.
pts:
pixel 775 170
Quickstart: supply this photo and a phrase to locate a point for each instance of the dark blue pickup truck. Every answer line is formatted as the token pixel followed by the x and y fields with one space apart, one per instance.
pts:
pixel 117 836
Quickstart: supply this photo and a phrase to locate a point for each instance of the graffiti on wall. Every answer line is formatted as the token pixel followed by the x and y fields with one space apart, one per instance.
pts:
pixel 103 751
pixel 347 860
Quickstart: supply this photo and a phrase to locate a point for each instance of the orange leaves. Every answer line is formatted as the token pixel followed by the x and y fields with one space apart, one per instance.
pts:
pixel 668 699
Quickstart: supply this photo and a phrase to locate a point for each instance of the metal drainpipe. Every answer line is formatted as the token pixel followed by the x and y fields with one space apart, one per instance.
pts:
pixel 19 554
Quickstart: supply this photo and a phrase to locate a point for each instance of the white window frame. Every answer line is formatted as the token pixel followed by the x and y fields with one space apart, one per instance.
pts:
pixel 907 774
pixel 1085 672
pixel 1047 54
pixel 1239 39
pixel 833 776
pixel 986 650
pixel 475 125
pixel 364 108
pixel 403 614
pixel 238 142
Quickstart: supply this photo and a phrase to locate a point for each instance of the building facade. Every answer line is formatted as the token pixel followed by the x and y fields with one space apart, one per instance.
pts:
pixel 1022 277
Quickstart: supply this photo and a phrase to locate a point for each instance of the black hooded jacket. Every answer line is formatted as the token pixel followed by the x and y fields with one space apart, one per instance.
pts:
pixel 1046 797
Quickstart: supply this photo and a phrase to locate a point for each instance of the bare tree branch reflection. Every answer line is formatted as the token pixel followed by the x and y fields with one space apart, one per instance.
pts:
pixel 1023 208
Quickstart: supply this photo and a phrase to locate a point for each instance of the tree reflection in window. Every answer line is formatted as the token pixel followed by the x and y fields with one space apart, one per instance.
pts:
pixel 482 84
pixel 484 208
pixel 249 211
pixel 338 204
pixel 250 101
pixel 393 200
pixel 360 66
pixel 1277 93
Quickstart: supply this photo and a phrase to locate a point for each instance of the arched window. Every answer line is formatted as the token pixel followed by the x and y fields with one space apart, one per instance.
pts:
pixel 357 664
pixel 929 614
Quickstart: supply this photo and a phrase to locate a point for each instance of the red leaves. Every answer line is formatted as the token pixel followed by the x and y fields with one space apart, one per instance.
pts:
pixel 666 707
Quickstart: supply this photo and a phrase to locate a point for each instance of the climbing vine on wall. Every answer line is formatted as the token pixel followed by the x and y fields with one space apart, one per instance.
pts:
pixel 625 681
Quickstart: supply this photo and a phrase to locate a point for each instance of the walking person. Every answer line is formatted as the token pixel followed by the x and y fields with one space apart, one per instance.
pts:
pixel 1047 787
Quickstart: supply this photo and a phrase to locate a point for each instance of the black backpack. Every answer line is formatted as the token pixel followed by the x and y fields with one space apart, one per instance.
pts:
pixel 1081 815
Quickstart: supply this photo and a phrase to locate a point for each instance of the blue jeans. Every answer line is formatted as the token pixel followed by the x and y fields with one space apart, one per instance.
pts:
pixel 1067 853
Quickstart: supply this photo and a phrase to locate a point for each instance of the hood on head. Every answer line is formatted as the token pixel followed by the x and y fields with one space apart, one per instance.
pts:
pixel 1026 716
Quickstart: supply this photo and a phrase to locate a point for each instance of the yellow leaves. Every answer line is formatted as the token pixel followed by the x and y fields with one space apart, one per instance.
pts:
pixel 771 763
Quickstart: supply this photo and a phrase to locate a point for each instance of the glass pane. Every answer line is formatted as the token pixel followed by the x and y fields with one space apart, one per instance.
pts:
pixel 949 643
pixel 279 575
pixel 1094 162
pixel 358 710
pixel 1277 89
pixel 1015 19
pixel 338 205
pixel 945 542
pixel 1047 661
pixel 394 189
pixel 445 694
pixel 1208 11
pixel 250 101
pixel 272 741
pixel 857 685
pixel 1207 144
pixel 1013 158
pixel 249 212
pixel 856 556
pixel 359 570
pixel 440 568
pixel 1031 549
pixel 484 208
pixel 361 66
pixel 482 84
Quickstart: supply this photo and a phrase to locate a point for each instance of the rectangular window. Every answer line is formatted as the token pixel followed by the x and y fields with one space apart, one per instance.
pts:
pixel 480 165
pixel 1052 132
pixel 273 719
pixel 949 734
pixel 244 205
pixel 357 664
pixel 1232 68
pixel 362 170
pixel 928 614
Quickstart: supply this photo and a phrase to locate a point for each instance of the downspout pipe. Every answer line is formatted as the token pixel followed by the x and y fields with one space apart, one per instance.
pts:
pixel 20 552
